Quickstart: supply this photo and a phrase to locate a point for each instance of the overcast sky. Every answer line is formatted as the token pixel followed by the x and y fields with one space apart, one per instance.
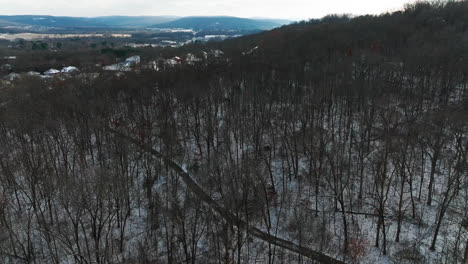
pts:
pixel 291 9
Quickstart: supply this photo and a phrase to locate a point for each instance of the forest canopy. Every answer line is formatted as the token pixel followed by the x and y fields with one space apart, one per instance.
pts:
pixel 341 139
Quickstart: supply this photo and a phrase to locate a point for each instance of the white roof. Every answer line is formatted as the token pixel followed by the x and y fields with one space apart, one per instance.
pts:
pixel 51 72
pixel 134 59
pixel 172 62
pixel 70 69
pixel 123 66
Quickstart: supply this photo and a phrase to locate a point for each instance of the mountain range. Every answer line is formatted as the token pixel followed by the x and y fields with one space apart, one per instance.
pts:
pixel 222 23
pixel 196 23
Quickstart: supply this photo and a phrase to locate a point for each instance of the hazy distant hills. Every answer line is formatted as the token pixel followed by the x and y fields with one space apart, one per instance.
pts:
pixel 222 23
pixel 196 23
pixel 66 22
pixel 133 21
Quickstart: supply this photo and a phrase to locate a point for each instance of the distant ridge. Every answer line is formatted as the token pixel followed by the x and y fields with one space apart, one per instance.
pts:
pixel 197 23
pixel 221 23
pixel 67 22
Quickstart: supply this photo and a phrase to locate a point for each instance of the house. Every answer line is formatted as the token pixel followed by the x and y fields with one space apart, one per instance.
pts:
pixel 173 61
pixel 6 67
pixel 128 65
pixel 134 59
pixel 51 72
pixel 70 69
pixel 217 53
pixel 11 77
pixel 191 59
pixel 7 61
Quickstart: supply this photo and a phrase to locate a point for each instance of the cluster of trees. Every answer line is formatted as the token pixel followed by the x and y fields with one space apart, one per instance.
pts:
pixel 40 45
pixel 348 145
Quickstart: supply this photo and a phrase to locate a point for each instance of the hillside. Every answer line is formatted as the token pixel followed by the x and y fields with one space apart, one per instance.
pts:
pixel 133 21
pixel 51 21
pixel 220 23
pixel 198 23
pixel 423 32
pixel 336 140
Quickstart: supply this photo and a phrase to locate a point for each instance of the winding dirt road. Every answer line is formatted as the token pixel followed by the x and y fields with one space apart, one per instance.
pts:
pixel 253 231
